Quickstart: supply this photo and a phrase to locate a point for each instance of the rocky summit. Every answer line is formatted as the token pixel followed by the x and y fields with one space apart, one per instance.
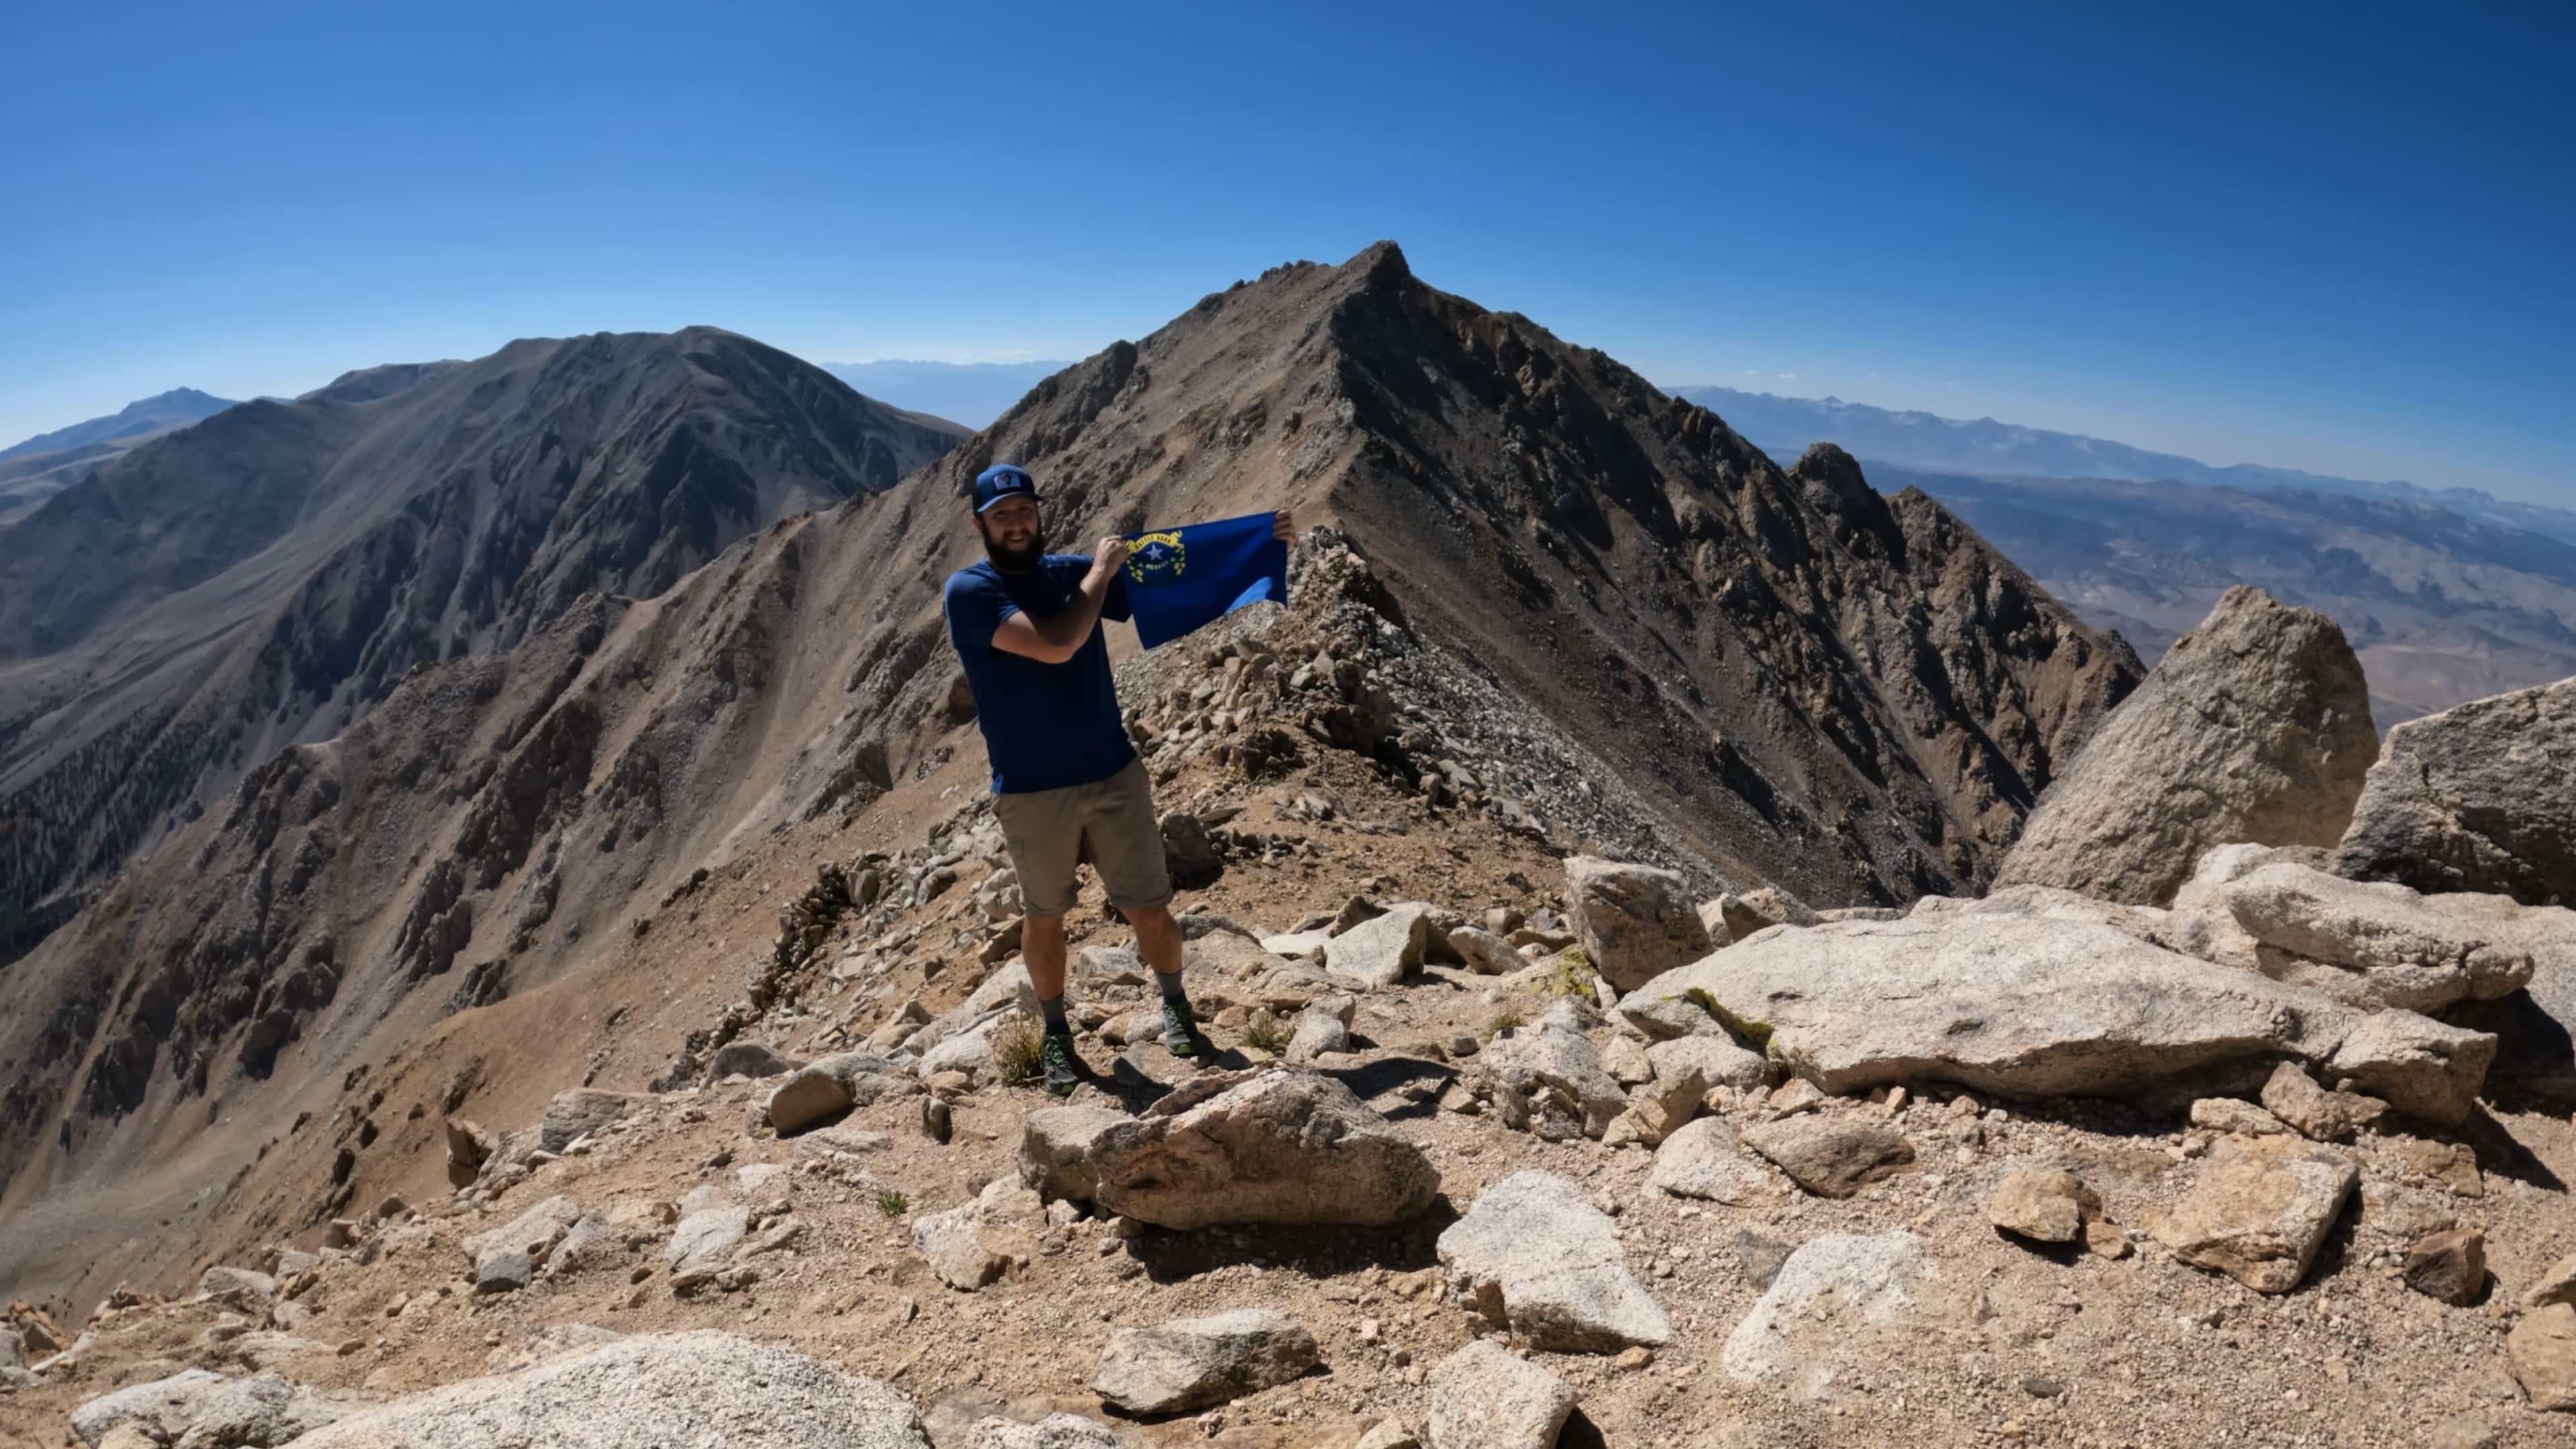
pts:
pixel 1614 1032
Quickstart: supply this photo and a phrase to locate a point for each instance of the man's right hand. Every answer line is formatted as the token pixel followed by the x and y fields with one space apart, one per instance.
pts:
pixel 1110 556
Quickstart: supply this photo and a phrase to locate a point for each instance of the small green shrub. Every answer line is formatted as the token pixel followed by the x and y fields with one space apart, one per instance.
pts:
pixel 1267 1036
pixel 892 1203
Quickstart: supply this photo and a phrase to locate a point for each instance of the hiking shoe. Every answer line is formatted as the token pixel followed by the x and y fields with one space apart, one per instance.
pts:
pixel 1061 1070
pixel 1180 1029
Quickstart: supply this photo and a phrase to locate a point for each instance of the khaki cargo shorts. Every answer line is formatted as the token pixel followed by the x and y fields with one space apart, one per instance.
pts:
pixel 1109 823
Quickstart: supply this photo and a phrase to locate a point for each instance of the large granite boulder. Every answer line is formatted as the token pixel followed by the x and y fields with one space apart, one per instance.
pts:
pixel 1634 921
pixel 1383 949
pixel 1532 1256
pixel 578 1113
pixel 1484 1398
pixel 194 1407
pixel 1548 1080
pixel 701 1390
pixel 1869 1278
pixel 1055 1149
pixel 2475 798
pixel 826 1088
pixel 1271 1145
pixel 1174 1368
pixel 2372 944
pixel 2015 1005
pixel 2255 726
pixel 2536 1026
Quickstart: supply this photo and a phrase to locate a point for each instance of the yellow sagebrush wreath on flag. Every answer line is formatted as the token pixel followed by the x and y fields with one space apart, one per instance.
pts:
pixel 1156 557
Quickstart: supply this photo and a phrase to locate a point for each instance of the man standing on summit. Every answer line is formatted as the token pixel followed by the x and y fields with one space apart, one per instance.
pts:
pixel 1067 784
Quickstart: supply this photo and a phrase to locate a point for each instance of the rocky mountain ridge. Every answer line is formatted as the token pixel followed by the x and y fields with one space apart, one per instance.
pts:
pixel 1814 685
pixel 1609 1162
pixel 267 576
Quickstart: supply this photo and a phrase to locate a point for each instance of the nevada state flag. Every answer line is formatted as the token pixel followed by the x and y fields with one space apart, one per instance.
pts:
pixel 1182 578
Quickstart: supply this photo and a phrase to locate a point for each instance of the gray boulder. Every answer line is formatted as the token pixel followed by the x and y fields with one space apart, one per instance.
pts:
pixel 239 1286
pixel 705 1240
pixel 1754 910
pixel 1485 953
pixel 1323 1028
pixel 833 1085
pixel 1548 1080
pixel 1830 1156
pixel 1634 921
pixel 749 1059
pixel 1483 1398
pixel 1271 1145
pixel 2372 944
pixel 1176 1368
pixel 702 1390
pixel 577 1114
pixel 1717 1057
pixel 195 1409
pixel 2293 1096
pixel 2259 1210
pixel 1385 948
pixel 2475 798
pixel 1055 1431
pixel 2421 1067
pixel 2014 1005
pixel 1532 1256
pixel 1055 1147
pixel 163 1407
pixel 2255 726
pixel 972 1246
pixel 506 1257
pixel 1869 1278
pixel 1701 1161
pixel 2536 1026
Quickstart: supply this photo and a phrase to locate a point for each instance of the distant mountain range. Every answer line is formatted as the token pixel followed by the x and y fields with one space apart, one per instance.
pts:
pixel 1983 447
pixel 2442 608
pixel 44 465
pixel 175 408
pixel 972 393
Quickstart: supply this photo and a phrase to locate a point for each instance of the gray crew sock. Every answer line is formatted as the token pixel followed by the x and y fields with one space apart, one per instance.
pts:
pixel 1051 1011
pixel 1173 988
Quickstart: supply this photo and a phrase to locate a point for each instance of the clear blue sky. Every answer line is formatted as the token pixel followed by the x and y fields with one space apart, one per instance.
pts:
pixel 2335 237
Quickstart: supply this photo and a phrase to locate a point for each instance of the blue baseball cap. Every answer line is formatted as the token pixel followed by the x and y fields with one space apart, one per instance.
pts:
pixel 1003 480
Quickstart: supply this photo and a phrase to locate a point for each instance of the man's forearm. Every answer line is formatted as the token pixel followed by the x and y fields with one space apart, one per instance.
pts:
pixel 1069 626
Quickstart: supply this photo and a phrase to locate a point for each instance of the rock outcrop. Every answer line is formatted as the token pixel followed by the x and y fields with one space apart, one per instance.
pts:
pixel 2019 1006
pixel 1532 1256
pixel 1483 1398
pixel 624 1393
pixel 1192 1363
pixel 1872 1278
pixel 2254 726
pixel 1635 921
pixel 2475 798
pixel 1272 1145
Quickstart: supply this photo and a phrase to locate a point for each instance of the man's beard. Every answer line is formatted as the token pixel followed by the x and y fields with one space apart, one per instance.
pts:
pixel 1014 560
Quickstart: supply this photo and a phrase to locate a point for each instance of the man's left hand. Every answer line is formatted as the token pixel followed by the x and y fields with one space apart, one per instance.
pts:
pixel 1282 527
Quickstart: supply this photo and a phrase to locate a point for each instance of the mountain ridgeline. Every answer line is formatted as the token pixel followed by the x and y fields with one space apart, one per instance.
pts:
pixel 1794 678
pixel 172 621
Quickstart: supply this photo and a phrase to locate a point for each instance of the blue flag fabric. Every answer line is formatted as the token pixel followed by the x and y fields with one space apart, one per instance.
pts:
pixel 1179 579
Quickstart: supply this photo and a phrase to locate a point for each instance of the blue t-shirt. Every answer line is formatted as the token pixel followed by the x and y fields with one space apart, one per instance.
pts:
pixel 1046 726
